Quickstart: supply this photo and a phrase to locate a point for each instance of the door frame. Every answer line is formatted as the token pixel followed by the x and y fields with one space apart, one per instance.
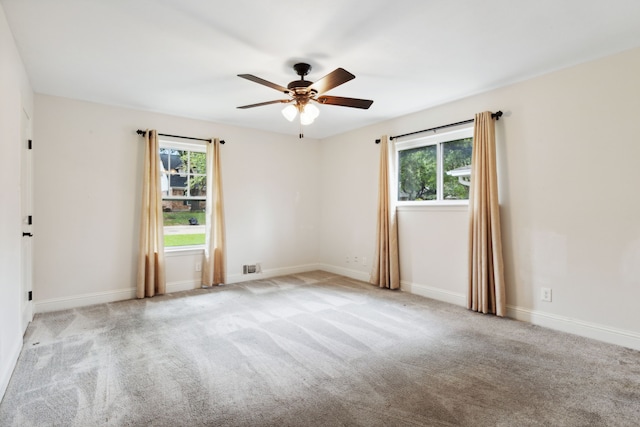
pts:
pixel 26 213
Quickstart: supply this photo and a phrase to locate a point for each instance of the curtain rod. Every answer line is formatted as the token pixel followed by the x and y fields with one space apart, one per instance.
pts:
pixel 495 115
pixel 143 132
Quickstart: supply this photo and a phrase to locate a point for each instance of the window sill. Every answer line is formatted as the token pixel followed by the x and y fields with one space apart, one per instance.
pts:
pixel 183 251
pixel 455 206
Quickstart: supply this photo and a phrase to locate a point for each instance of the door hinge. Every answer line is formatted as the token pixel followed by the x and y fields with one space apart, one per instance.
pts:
pixel 30 295
pixel 26 234
pixel 30 144
pixel 30 220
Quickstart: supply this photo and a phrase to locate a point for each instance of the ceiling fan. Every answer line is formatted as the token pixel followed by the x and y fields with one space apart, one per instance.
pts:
pixel 303 93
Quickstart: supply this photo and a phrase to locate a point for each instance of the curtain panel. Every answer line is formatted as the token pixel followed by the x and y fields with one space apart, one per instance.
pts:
pixel 486 270
pixel 214 266
pixel 386 262
pixel 151 268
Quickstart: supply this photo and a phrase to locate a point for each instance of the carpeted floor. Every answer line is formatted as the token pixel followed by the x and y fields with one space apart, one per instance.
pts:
pixel 311 349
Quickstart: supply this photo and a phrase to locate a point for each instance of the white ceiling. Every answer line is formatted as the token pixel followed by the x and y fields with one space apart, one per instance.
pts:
pixel 182 57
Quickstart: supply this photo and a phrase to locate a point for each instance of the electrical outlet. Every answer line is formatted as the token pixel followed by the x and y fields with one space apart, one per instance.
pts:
pixel 346 260
pixel 355 259
pixel 198 266
pixel 545 294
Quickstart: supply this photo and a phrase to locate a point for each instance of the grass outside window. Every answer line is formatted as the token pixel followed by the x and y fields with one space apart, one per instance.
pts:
pixel 184 240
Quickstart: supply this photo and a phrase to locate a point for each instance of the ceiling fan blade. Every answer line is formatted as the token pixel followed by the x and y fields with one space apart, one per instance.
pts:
pixel 345 102
pixel 331 80
pixel 277 101
pixel 264 82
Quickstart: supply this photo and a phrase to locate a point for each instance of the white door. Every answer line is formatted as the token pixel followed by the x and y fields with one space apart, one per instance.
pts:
pixel 26 195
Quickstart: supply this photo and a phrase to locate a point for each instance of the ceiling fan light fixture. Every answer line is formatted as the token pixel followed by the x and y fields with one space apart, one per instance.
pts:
pixel 306 118
pixel 289 112
pixel 308 114
pixel 311 110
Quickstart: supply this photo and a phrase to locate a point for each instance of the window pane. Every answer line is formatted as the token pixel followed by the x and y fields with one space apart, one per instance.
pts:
pixel 198 163
pixel 417 173
pixel 197 185
pixel 184 224
pixel 176 163
pixel 457 169
pixel 175 181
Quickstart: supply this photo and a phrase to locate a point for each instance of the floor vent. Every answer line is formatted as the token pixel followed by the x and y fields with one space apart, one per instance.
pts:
pixel 249 269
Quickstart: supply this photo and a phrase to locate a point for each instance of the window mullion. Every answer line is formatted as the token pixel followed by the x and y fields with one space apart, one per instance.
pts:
pixel 439 171
pixel 188 173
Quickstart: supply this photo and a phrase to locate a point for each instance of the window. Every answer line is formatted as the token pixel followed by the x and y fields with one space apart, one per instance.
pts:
pixel 436 168
pixel 184 193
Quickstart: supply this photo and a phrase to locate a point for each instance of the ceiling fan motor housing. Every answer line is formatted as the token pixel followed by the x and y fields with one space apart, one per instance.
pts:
pixel 298 88
pixel 299 84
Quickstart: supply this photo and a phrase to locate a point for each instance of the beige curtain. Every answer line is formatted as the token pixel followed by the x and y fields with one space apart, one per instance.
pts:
pixel 486 271
pixel 386 262
pixel 151 270
pixel 214 269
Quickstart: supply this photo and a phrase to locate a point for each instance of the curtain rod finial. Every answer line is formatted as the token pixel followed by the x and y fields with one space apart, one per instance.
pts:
pixel 222 141
pixel 377 141
pixel 497 115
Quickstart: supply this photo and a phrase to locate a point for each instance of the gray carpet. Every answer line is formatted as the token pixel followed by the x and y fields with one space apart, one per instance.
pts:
pixel 311 349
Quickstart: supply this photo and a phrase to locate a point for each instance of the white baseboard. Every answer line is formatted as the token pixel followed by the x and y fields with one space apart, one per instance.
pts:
pixel 581 328
pixel 7 368
pixel 434 293
pixel 347 272
pixel 183 286
pixel 65 303
pixel 595 331
pixel 273 272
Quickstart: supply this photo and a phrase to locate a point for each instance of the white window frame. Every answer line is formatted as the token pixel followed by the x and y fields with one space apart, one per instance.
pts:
pixel 437 139
pixel 188 146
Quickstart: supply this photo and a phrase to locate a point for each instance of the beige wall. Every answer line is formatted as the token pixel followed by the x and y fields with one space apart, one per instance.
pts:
pixel 568 148
pixel 16 100
pixel 87 185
